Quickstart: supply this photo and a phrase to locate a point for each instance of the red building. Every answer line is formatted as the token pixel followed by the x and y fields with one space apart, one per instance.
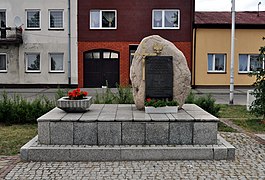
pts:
pixel 109 32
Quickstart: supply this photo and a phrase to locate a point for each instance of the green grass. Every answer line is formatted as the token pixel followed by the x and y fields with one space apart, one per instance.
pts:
pixel 234 111
pixel 252 125
pixel 239 115
pixel 12 138
pixel 224 128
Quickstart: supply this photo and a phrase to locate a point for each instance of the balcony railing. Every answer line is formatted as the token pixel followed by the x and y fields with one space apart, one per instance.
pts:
pixel 10 35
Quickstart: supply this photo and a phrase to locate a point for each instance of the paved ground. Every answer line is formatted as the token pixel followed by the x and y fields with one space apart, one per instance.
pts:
pixel 249 164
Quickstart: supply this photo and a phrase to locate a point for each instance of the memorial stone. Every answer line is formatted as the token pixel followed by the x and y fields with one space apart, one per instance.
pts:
pixel 157 46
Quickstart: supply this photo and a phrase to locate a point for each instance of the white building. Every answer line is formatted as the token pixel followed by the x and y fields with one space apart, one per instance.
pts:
pixel 41 55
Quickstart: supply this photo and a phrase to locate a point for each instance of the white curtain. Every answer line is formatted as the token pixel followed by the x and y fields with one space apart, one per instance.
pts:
pixel 171 18
pixel 94 18
pixel 109 16
pixel 158 18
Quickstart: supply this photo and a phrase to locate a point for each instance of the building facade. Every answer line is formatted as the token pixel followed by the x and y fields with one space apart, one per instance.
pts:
pixel 109 32
pixel 212 47
pixel 38 43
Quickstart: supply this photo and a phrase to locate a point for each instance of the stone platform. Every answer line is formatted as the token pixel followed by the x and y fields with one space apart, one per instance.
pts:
pixel 121 132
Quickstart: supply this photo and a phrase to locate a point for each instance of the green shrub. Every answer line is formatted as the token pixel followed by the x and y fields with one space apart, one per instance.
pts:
pixel 206 102
pixel 123 96
pixel 258 105
pixel 61 93
pixel 18 110
pixel 191 98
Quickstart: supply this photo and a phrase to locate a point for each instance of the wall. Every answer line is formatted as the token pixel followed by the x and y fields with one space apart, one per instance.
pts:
pixel 134 20
pixel 247 41
pixel 42 41
pixel 123 48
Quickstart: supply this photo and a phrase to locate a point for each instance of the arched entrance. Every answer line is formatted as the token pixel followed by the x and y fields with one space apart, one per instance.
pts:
pixel 101 66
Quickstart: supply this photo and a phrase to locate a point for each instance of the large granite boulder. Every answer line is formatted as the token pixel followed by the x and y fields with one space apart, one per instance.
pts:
pixel 181 72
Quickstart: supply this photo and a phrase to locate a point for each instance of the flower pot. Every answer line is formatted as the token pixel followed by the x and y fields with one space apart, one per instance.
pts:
pixel 74 106
pixel 161 110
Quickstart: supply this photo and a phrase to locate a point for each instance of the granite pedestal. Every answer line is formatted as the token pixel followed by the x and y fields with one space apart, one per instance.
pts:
pixel 121 132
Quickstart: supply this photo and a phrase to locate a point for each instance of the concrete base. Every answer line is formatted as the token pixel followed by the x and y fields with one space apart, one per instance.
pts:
pixel 33 151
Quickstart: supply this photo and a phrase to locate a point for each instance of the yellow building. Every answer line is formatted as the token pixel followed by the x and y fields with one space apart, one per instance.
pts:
pixel 212 47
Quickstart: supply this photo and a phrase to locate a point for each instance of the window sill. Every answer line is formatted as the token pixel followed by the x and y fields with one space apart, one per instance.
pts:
pixel 33 72
pixel 165 28
pixel 54 72
pixel 30 29
pixel 216 72
pixel 52 29
pixel 103 28
pixel 3 71
pixel 244 72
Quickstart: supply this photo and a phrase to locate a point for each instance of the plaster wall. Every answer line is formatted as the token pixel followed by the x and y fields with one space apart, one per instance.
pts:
pixel 43 41
pixel 247 41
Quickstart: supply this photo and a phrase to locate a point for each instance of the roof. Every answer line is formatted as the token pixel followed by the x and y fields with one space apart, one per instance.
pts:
pixel 224 18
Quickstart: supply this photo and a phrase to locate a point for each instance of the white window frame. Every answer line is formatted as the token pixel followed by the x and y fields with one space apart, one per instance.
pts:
pixel 26 59
pixel 56 10
pixel 100 19
pixel 6 62
pixel 248 63
pixel 50 63
pixel 213 63
pixel 163 18
pixel 31 10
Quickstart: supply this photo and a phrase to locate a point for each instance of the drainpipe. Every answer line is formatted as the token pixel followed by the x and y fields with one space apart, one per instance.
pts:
pixel 194 56
pixel 69 43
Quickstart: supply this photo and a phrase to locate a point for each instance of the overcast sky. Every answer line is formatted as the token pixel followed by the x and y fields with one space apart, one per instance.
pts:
pixel 225 5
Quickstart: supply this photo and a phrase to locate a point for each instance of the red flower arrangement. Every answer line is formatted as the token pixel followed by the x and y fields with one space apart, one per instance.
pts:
pixel 77 94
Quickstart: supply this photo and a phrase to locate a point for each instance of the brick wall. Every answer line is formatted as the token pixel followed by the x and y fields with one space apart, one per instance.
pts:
pixel 123 48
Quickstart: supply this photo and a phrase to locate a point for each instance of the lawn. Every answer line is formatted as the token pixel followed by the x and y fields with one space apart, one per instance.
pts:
pixel 241 117
pixel 13 137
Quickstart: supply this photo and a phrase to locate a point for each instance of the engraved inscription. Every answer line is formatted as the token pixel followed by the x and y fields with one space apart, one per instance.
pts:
pixel 159 77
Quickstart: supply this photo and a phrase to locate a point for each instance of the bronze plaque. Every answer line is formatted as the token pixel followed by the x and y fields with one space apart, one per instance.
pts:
pixel 159 77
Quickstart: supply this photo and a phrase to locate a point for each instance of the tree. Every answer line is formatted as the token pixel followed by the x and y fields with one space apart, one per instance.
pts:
pixel 258 105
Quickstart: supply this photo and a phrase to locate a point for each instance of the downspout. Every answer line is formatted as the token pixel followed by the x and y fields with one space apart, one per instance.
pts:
pixel 69 42
pixel 194 56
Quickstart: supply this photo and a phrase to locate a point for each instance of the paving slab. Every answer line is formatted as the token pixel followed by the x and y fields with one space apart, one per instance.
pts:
pixel 249 163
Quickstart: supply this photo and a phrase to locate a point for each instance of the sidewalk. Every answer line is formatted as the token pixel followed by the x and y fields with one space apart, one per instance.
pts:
pixel 220 94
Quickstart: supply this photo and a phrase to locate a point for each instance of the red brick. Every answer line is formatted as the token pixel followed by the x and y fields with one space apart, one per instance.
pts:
pixel 123 49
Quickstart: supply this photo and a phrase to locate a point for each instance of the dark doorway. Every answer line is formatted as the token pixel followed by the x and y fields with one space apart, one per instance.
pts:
pixel 101 68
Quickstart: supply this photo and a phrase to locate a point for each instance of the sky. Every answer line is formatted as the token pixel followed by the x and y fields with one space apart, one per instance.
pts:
pixel 225 5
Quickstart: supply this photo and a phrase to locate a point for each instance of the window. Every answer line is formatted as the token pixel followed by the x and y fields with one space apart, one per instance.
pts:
pixel 2 18
pixel 32 62
pixel 3 63
pixel 33 19
pixel 132 49
pixel 103 19
pixel 56 62
pixel 102 55
pixel 166 19
pixel 56 19
pixel 248 63
pixel 216 62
